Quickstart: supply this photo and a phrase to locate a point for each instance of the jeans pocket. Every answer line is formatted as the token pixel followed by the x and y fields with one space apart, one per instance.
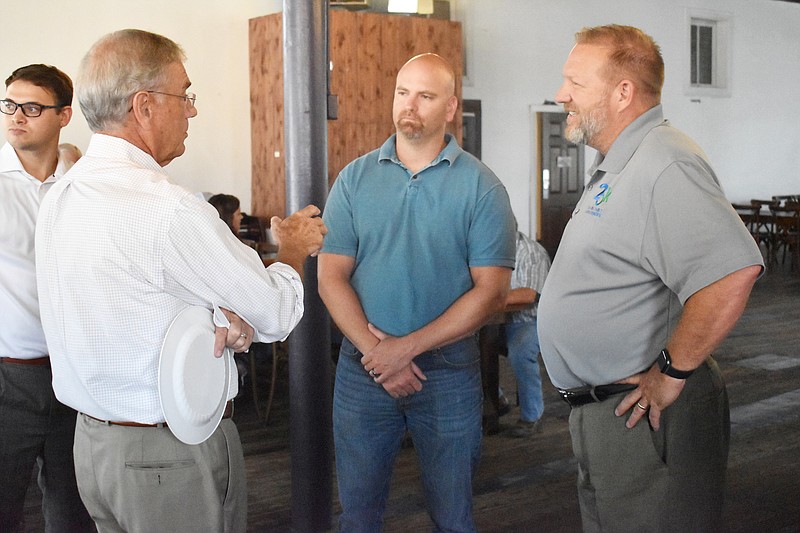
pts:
pixel 349 349
pixel 461 354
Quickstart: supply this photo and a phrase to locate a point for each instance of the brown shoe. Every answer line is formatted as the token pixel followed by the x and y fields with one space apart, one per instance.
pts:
pixel 524 429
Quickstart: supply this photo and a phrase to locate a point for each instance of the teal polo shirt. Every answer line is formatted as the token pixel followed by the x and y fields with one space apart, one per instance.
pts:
pixel 414 237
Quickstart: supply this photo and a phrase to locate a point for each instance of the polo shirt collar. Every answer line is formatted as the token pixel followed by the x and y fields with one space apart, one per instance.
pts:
pixel 9 162
pixel 627 142
pixel 450 152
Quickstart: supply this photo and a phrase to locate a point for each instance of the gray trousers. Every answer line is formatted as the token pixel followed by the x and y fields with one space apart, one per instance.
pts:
pixel 37 428
pixel 673 479
pixel 144 480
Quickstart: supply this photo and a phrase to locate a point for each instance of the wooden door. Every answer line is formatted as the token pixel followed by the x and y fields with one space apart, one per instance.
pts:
pixel 561 178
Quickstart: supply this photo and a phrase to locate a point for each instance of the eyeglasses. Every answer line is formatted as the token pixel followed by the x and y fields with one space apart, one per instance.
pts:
pixel 188 97
pixel 29 109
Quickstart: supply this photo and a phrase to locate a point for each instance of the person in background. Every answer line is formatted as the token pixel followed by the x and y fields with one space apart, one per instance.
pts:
pixel 109 295
pixel 69 153
pixel 653 270
pixel 522 340
pixel 229 210
pixel 419 255
pixel 34 426
pixel 228 207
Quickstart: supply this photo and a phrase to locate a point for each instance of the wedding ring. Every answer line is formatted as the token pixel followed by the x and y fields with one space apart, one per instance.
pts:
pixel 640 406
pixel 243 336
pixel 373 374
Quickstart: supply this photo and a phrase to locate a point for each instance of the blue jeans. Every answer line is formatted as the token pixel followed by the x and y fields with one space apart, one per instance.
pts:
pixel 523 354
pixel 444 420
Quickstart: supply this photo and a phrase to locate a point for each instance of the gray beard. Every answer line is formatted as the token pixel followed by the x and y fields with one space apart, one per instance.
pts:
pixel 590 126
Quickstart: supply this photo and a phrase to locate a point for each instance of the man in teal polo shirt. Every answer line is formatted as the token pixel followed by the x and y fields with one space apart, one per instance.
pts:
pixel 418 255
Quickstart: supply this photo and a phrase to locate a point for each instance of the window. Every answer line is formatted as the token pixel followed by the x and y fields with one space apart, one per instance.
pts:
pixel 709 53
pixel 703 47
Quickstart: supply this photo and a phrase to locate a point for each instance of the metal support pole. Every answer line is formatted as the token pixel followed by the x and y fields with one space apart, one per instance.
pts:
pixel 305 34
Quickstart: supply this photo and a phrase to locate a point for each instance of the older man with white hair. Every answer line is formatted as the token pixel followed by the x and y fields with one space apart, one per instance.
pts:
pixel 121 252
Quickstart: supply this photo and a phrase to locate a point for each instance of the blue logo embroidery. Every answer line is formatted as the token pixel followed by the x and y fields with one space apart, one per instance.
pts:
pixel 603 196
pixel 599 199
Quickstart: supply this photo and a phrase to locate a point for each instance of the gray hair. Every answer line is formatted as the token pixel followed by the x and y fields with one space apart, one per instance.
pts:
pixel 118 66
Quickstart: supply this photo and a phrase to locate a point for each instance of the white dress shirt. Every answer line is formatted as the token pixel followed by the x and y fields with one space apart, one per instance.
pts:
pixel 120 252
pixel 21 334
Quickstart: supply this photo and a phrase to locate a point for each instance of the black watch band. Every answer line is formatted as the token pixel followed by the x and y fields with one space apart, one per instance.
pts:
pixel 665 364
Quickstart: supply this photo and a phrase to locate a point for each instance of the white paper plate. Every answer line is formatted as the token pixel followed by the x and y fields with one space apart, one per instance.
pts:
pixel 192 383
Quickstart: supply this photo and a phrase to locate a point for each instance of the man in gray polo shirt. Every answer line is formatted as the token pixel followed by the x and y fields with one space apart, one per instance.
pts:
pixel 652 272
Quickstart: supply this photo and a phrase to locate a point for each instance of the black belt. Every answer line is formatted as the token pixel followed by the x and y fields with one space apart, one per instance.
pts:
pixel 589 394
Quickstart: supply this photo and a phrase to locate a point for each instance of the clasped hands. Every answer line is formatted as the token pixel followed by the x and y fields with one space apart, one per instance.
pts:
pixel 655 392
pixel 237 336
pixel 391 365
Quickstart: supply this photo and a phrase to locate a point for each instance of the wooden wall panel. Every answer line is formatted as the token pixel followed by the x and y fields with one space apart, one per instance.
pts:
pixel 343 45
pixel 367 50
pixel 266 116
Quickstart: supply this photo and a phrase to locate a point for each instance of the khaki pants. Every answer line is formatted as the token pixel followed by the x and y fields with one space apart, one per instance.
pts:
pixel 145 480
pixel 640 480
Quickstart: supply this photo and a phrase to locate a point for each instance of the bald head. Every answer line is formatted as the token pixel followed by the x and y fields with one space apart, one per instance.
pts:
pixel 434 63
pixel 69 153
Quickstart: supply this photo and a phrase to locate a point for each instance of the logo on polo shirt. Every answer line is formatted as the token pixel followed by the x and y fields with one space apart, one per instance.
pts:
pixel 599 199
pixel 603 196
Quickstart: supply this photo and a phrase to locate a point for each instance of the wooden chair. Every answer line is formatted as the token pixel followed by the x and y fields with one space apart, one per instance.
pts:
pixel 786 231
pixel 253 229
pixel 758 222
pixel 790 198
pixel 277 351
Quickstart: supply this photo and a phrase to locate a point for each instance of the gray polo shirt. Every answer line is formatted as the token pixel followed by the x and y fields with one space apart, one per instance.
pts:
pixel 652 227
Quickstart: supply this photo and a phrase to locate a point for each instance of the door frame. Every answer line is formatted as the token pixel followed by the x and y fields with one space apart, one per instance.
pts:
pixel 535 200
pixel 471 111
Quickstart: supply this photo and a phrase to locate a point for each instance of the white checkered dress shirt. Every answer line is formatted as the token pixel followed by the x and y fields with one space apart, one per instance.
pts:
pixel 531 270
pixel 120 252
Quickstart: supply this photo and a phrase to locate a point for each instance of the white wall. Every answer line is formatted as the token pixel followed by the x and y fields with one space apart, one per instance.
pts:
pixel 751 137
pixel 516 50
pixel 214 34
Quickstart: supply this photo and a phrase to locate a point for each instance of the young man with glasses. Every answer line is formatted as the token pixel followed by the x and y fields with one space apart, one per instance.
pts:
pixel 34 425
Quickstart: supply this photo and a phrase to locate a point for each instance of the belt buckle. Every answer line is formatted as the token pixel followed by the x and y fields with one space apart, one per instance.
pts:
pixel 569 394
pixel 581 395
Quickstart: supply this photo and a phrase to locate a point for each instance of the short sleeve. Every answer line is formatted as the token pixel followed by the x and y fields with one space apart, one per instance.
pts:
pixel 492 231
pixel 693 237
pixel 338 217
